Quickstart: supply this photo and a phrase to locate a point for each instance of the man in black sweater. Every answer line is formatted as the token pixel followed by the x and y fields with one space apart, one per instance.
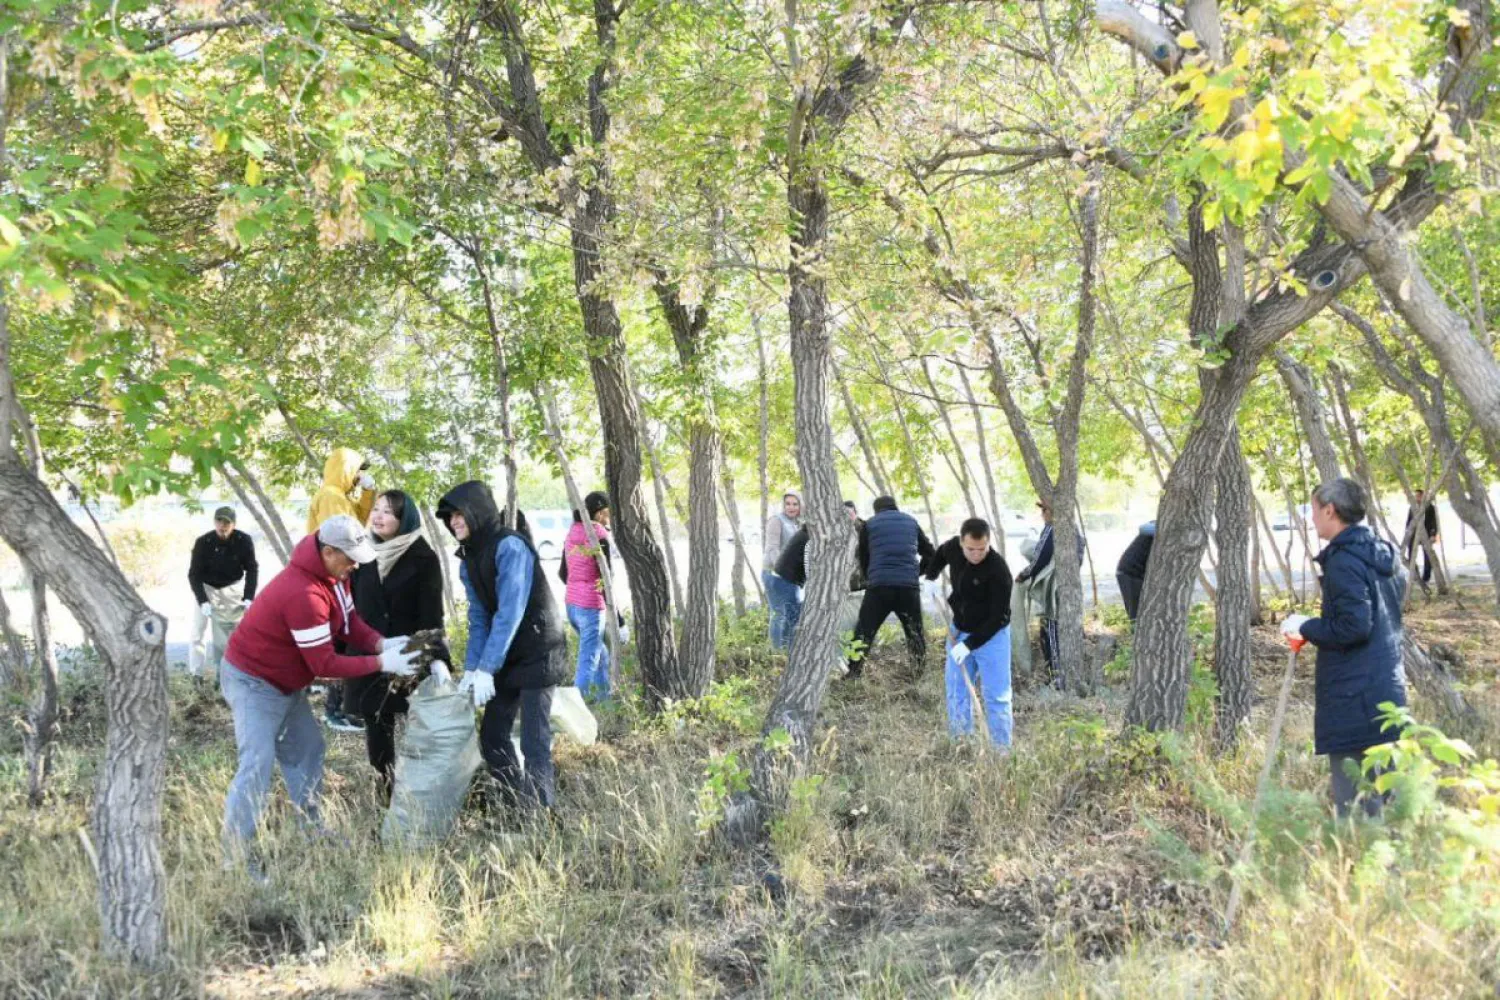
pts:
pixel 1430 524
pixel 979 638
pixel 221 560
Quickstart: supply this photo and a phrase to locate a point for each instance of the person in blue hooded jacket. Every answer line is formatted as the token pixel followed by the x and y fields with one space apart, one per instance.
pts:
pixel 1358 636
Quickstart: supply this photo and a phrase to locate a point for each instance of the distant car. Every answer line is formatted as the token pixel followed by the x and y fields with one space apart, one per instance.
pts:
pixel 549 531
pixel 1284 523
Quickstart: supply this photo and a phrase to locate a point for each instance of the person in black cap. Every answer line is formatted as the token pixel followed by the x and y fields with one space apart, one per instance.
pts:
pixel 221 560
pixel 892 548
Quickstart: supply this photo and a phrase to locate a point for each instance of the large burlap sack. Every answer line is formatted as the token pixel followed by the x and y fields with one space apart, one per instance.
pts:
pixel 228 609
pixel 435 763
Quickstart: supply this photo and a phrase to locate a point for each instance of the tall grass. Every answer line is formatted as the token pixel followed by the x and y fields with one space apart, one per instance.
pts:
pixel 1086 863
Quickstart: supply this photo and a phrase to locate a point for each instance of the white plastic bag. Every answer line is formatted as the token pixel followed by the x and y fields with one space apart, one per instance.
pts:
pixel 571 715
pixel 435 764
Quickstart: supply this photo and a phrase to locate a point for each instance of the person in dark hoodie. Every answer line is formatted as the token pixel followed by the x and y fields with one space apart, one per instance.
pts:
pixel 400 593
pixel 892 548
pixel 979 640
pixel 517 651
pixel 1358 635
pixel 792 563
pixel 1130 572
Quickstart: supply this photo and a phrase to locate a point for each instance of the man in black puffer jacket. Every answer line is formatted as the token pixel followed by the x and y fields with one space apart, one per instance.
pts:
pixel 892 549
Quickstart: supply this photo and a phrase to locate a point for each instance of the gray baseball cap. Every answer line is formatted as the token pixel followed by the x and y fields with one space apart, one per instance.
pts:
pixel 348 536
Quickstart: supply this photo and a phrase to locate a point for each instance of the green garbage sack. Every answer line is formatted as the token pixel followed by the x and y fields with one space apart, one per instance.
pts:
pixel 435 763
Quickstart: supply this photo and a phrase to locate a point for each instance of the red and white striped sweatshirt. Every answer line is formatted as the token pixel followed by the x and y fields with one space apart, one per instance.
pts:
pixel 286 638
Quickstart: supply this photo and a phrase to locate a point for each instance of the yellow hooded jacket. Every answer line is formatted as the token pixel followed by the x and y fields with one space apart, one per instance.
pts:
pixel 340 474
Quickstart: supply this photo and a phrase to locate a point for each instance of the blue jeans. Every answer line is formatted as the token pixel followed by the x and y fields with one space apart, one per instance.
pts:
pixel 592 678
pixel 988 670
pixel 785 599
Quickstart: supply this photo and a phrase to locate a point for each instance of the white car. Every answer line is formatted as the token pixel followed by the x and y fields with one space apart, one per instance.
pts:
pixel 549 531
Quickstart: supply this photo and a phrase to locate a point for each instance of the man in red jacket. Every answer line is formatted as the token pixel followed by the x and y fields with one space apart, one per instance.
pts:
pixel 285 641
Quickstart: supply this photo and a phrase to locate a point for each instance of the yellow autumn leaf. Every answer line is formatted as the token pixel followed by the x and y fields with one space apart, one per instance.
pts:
pixel 9 232
pixel 252 172
pixel 1187 40
pixel 1215 101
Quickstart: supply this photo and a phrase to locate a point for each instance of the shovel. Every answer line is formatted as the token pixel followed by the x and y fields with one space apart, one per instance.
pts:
pixel 1296 642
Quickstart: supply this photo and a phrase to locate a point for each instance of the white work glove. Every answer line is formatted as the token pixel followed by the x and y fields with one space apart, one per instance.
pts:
pixel 1292 627
pixel 959 652
pixel 393 661
pixel 207 609
pixel 393 642
pixel 624 633
pixel 245 603
pixel 480 685
pixel 442 672
pixel 366 481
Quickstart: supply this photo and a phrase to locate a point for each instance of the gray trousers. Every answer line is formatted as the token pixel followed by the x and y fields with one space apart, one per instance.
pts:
pixel 270 728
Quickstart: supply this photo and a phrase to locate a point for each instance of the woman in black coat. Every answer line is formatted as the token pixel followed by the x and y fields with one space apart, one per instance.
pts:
pixel 1358 635
pixel 400 593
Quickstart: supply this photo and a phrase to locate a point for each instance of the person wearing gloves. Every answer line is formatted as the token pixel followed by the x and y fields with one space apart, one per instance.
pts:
pixel 344 474
pixel 979 640
pixel 1358 635
pixel 783 596
pixel 286 640
pixel 1130 572
pixel 579 569
pixel 221 559
pixel 891 550
pixel 517 651
pixel 399 593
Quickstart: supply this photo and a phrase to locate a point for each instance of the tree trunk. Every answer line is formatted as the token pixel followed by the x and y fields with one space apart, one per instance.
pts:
pixel 1440 688
pixel 659 488
pixel 1232 611
pixel 1265 529
pixel 1360 459
pixel 700 626
pixel 283 537
pixel 267 529
pixel 984 458
pixel 553 428
pixel 815 119
pixel 912 455
pixel 1162 664
pixel 41 718
pixel 620 426
pixel 763 438
pixel 959 463
pixel 741 554
pixel 132 641
pixel 1304 393
pixel 862 435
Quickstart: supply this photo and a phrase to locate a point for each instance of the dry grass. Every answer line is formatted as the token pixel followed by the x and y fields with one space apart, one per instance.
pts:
pixel 1082 865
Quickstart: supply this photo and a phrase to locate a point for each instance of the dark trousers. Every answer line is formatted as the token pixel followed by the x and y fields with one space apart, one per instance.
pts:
pixel 875 608
pixel 1344 770
pixel 535 785
pixel 1049 649
pixel 1130 592
pixel 333 701
pixel 370 697
pixel 1426 563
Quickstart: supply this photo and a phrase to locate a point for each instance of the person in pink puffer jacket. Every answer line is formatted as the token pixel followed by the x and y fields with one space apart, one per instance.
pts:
pixel 585 596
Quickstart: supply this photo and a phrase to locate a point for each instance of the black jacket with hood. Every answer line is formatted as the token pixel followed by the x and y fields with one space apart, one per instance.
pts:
pixel 1358 635
pixel 538 655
